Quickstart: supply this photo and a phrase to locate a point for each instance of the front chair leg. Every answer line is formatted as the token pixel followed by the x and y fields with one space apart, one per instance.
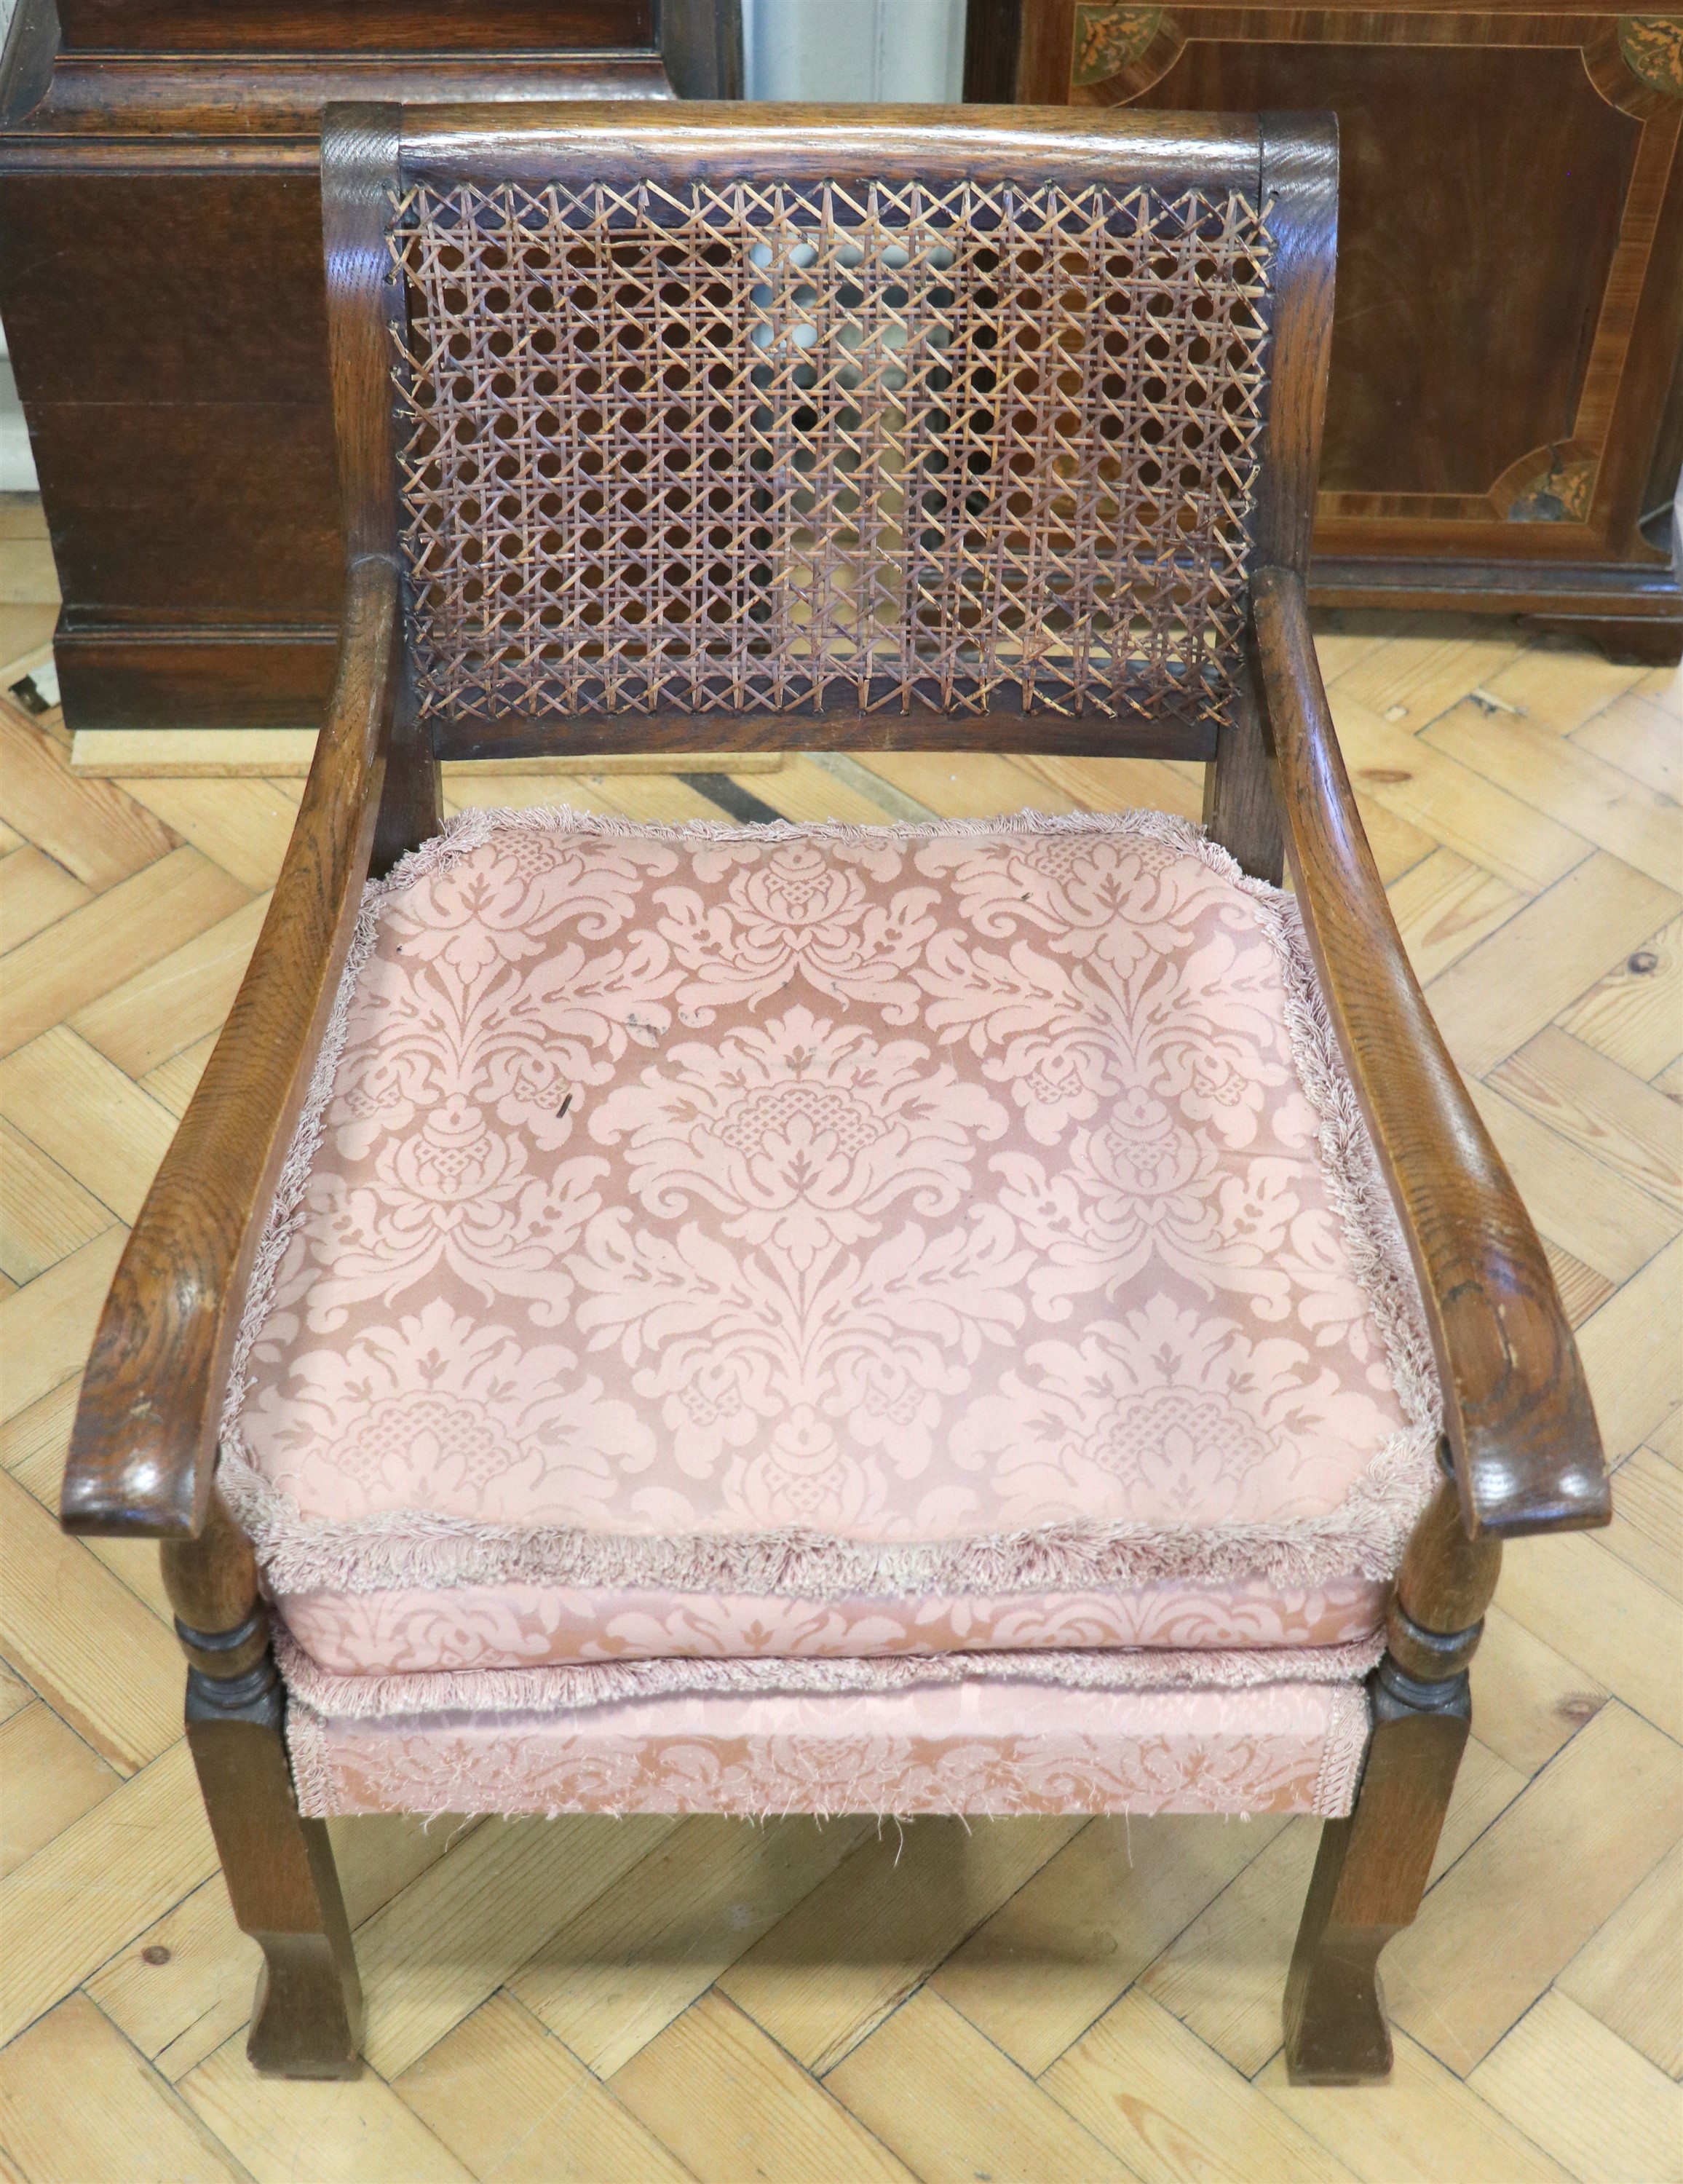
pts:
pixel 1373 1867
pixel 307 2017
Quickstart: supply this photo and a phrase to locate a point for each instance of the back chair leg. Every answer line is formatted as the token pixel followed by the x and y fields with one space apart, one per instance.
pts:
pixel 1241 808
pixel 1372 1868
pixel 307 2018
pixel 411 800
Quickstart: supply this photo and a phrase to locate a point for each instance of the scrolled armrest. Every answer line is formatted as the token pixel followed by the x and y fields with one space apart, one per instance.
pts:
pixel 1527 1452
pixel 143 1451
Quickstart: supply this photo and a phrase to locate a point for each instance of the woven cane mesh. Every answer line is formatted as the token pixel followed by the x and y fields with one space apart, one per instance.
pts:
pixel 748 447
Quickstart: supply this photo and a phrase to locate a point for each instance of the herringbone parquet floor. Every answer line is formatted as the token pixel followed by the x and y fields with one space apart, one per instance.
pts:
pixel 1030 2000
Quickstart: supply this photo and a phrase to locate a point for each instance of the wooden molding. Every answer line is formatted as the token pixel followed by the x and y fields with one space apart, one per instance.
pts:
pixel 286 754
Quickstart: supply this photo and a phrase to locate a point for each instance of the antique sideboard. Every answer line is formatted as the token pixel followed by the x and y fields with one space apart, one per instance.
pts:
pixel 1505 418
pixel 161 287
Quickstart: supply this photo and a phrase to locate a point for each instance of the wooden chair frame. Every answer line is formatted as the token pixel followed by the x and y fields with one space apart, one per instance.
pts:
pixel 1521 1452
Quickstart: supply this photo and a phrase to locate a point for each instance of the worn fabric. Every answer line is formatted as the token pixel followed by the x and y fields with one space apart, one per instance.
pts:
pixel 806 1266
pixel 998 1748
pixel 415 1630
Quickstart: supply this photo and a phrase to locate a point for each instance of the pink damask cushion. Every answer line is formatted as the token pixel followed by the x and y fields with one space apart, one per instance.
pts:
pixel 999 1748
pixel 413 1630
pixel 713 1242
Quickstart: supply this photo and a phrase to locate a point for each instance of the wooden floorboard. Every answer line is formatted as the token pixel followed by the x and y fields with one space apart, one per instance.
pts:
pixel 1037 2000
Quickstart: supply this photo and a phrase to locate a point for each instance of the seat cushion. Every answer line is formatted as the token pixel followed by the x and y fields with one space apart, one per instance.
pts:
pixel 716 1241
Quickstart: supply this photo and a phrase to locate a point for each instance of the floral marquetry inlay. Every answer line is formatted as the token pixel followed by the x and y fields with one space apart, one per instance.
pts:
pixel 1108 38
pixel 1559 495
pixel 1652 47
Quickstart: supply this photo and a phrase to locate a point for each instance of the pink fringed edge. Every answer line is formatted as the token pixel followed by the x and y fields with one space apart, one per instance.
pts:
pixel 1337 1777
pixel 556 1688
pixel 312 1777
pixel 1344 1754
pixel 1364 1536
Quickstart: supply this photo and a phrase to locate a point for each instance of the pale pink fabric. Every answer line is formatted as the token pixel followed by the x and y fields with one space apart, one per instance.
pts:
pixel 998 1748
pixel 556 1688
pixel 473 1627
pixel 725 1240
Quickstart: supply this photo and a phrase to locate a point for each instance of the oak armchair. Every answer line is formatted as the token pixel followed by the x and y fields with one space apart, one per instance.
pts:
pixel 700 1318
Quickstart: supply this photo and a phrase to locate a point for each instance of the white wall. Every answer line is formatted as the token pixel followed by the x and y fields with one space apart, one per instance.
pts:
pixel 854 49
pixel 16 465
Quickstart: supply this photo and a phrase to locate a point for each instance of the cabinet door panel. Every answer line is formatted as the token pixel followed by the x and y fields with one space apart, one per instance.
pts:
pixel 1481 189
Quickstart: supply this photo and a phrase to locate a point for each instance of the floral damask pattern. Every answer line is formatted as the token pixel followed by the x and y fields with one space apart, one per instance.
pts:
pixel 884 1189
pixel 412 1631
pixel 1024 1748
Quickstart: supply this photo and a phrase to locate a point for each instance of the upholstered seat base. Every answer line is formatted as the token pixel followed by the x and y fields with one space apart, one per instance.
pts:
pixel 970 1747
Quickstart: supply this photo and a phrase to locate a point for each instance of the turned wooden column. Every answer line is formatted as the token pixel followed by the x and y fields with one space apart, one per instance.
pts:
pixel 1371 1869
pixel 306 2020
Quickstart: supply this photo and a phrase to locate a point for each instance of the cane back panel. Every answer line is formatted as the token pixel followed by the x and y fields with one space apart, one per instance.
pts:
pixel 739 446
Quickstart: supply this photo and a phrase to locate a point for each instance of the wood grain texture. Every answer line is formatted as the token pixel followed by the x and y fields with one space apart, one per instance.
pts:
pixel 367 305
pixel 245 830
pixel 116 1869
pixel 346 25
pixel 1300 171
pixel 1370 1872
pixel 333 2134
pixel 1241 809
pixel 136 2127
pixel 1630 1972
pixel 1374 1872
pixel 1425 2129
pixel 620 142
pixel 182 1985
pixel 1518 1412
pixel 124 930
pixel 44 1212
pixel 825 1976
pixel 1501 1914
pixel 1052 1960
pixel 307 2014
pixel 46 1326
pixel 1578 2090
pixel 616 1975
pixel 1144 2085
pixel 51 1778
pixel 915 2085
pixel 34 891
pixel 141 1455
pixel 1101 1921
pixel 121 1690
pixel 731 2104
pixel 457 1934
pixel 1473 361
pixel 507 2099
pixel 98 834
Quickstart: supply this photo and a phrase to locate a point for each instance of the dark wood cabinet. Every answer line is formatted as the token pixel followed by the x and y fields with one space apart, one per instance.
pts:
pixel 161 285
pixel 1505 418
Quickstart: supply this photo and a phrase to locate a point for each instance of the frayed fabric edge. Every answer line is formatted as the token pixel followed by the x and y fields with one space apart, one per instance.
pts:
pixel 1344 1754
pixel 1364 1536
pixel 556 1688
pixel 419 1548
pixel 312 1775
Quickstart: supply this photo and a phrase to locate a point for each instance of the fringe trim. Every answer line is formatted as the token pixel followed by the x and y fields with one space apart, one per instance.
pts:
pixel 1344 1754
pixel 1364 1535
pixel 555 1688
pixel 312 1777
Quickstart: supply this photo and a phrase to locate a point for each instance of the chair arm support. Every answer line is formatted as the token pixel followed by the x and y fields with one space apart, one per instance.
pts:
pixel 143 1451
pixel 1527 1452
